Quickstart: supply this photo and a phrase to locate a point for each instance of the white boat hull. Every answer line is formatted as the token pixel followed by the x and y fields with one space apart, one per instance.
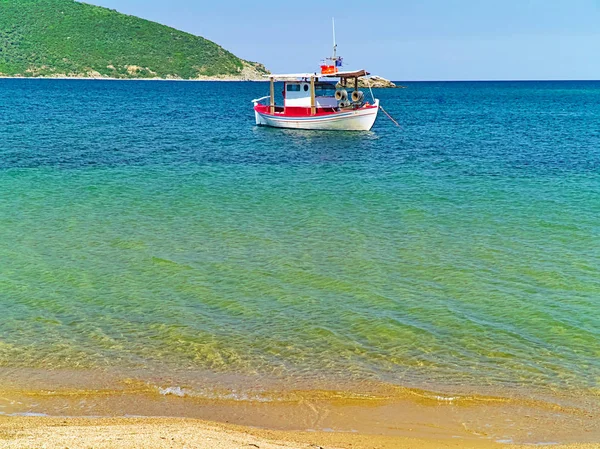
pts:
pixel 355 120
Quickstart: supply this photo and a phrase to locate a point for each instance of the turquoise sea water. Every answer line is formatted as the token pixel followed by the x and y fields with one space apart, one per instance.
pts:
pixel 151 227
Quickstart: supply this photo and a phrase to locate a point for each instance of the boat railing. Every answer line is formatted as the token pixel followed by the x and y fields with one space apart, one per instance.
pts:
pixel 258 100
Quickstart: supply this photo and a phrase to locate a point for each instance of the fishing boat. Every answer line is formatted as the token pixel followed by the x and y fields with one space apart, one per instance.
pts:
pixel 317 101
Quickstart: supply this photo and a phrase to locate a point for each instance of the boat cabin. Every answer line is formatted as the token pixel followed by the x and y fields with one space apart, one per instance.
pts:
pixel 297 97
pixel 306 94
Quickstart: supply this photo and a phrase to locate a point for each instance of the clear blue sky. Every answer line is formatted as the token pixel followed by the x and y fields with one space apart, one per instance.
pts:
pixel 401 40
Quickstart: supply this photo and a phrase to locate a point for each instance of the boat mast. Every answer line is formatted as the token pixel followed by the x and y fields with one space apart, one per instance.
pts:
pixel 334 43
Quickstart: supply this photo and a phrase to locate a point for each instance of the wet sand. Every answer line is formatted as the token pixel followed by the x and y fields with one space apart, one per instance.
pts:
pixel 37 401
pixel 175 433
pixel 320 419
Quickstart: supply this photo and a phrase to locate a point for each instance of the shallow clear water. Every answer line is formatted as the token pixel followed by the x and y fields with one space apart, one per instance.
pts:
pixel 151 226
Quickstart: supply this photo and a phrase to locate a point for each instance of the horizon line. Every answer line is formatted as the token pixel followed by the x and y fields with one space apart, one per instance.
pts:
pixel 494 80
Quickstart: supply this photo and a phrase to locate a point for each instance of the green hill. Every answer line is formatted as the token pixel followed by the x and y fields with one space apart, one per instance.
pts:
pixel 68 38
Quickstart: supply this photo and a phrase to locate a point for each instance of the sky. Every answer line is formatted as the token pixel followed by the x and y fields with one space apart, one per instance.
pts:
pixel 411 41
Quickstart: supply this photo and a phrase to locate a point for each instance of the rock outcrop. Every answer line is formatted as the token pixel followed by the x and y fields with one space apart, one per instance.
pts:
pixel 373 81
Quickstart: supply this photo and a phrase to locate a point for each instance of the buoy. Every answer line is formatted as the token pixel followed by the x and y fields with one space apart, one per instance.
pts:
pixel 357 96
pixel 341 95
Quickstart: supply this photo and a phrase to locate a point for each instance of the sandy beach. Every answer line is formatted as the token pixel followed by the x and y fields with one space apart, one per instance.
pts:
pixel 160 433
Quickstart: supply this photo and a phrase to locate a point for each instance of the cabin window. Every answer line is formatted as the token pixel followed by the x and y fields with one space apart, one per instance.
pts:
pixel 305 87
pixel 324 90
pixel 293 87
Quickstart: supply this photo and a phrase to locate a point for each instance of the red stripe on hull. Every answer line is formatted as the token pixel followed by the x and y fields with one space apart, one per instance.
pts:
pixel 304 112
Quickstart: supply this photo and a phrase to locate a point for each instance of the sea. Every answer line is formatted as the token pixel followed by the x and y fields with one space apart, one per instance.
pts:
pixel 149 231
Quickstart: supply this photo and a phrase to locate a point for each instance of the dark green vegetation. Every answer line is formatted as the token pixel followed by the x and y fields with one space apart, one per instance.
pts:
pixel 68 38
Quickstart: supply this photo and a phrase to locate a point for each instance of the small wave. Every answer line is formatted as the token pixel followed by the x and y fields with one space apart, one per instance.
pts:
pixel 229 396
pixel 175 391
pixel 543 443
pixel 446 398
pixel 26 414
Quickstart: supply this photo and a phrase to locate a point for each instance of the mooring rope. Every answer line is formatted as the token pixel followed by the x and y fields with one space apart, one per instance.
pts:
pixel 369 84
pixel 381 107
pixel 390 117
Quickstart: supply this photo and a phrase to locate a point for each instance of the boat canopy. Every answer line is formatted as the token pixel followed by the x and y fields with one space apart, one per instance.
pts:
pixel 344 74
pixel 307 98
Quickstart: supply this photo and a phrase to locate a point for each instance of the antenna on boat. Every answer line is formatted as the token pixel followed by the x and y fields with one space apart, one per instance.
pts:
pixel 334 43
pixel 331 64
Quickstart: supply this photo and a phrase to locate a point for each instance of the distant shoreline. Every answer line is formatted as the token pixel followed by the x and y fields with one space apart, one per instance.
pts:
pixel 89 78
pixel 228 80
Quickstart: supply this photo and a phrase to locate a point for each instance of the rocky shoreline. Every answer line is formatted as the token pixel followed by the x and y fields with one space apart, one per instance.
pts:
pixel 251 71
pixel 374 82
pixel 105 78
pixel 108 78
